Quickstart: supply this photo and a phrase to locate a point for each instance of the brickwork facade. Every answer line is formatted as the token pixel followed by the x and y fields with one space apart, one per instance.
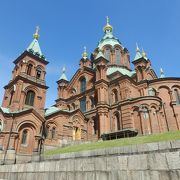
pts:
pixel 104 96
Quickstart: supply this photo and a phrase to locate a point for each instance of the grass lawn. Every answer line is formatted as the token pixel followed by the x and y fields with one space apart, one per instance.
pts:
pixel 115 143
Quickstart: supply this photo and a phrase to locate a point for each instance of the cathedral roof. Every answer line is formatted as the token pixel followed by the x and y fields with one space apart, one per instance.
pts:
pixel 138 53
pixel 34 47
pixel 8 111
pixel 100 54
pixel 5 110
pixel 108 38
pixel 63 76
pixel 51 110
pixel 20 112
pixel 122 70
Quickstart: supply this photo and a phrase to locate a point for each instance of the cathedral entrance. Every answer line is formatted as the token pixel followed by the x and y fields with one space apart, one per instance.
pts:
pixel 78 127
pixel 76 133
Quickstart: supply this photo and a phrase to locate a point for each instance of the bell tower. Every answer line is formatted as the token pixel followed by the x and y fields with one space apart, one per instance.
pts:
pixel 27 88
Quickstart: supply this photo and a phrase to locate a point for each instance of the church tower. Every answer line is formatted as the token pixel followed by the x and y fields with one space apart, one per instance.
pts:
pixel 112 49
pixel 62 84
pixel 27 88
pixel 143 66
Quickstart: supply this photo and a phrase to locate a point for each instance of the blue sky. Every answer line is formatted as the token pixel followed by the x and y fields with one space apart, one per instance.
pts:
pixel 67 26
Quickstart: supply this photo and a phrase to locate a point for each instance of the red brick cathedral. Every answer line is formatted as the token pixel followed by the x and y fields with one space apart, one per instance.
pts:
pixel 105 98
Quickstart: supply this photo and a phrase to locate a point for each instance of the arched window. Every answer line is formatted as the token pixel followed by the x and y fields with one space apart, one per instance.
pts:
pixel 53 132
pixel 176 93
pixel 24 137
pixel 30 98
pixel 38 73
pixel 1 125
pixel 11 97
pixel 29 69
pixel 107 54
pixel 117 56
pixel 83 104
pixel 83 85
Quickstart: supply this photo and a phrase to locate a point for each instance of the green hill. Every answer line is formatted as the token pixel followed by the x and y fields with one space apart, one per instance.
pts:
pixel 116 143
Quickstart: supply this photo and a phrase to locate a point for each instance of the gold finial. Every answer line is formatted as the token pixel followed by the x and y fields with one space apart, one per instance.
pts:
pixel 144 53
pixel 137 48
pixel 107 27
pixel 36 34
pixel 85 54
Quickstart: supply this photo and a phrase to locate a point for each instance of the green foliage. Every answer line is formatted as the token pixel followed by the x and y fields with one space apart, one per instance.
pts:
pixel 116 143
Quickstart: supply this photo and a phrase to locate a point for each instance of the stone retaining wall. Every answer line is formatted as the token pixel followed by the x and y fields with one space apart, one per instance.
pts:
pixel 164 146
pixel 155 161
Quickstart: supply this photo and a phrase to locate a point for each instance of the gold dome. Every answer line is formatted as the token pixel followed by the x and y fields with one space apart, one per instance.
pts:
pixel 107 27
pixel 137 48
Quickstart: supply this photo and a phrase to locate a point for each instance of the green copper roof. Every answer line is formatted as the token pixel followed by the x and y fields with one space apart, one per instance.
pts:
pixel 100 54
pixel 108 39
pixel 51 110
pixel 122 70
pixel 34 47
pixel 5 110
pixel 138 55
pixel 63 76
